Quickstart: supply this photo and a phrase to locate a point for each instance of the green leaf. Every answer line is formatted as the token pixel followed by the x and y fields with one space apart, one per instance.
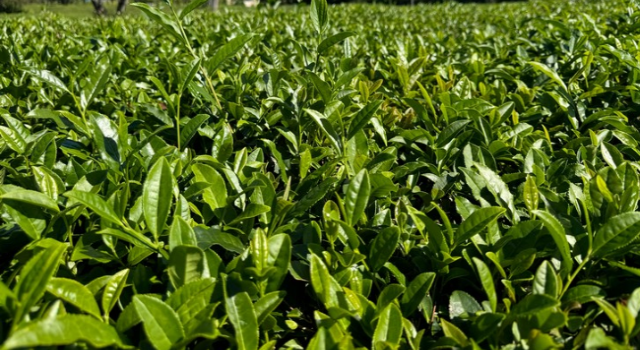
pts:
pixel 160 323
pixel 128 319
pixel 129 235
pixel 242 316
pixel 429 228
pixel 195 189
pixel 476 222
pixel 322 86
pixel 332 40
pixel 598 339
pixel 312 197
pixel 142 144
pixel 319 15
pixel 190 71
pixel 556 230
pixel 75 294
pixel 540 67
pixel 461 304
pixel 15 141
pixel 267 304
pixel 278 156
pixel 347 77
pixel 416 291
pixel 389 327
pixel 157 197
pixel 189 130
pixel 95 203
pixel 326 127
pixel 320 279
pixel 49 182
pixel 382 247
pixel 582 293
pixel 604 190
pixel 305 162
pixel 216 195
pixel 213 236
pixel 627 321
pixel 192 298
pixel 227 51
pixel 251 211
pixel 531 195
pixel 47 114
pixel 180 233
pixel 363 117
pixel 609 310
pixel 632 270
pixel 159 17
pixel 345 232
pixel 35 276
pixel 357 197
pixel 113 290
pixel 628 175
pixel 633 303
pixel 611 155
pixel 186 264
pixel 498 187
pixel 17 125
pixel 279 258
pixel 546 280
pixel 65 330
pixel 532 304
pixel 486 279
pixel 31 219
pixel 6 296
pixel 485 326
pixel 616 233
pixel 49 78
pixel 453 332
pixel 32 197
pixel 95 85
pixel 390 293
pixel 106 137
pixel 191 6
pixel 450 132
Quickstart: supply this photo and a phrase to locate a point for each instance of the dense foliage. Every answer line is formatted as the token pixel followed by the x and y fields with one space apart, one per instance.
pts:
pixel 10 6
pixel 327 178
pixel 263 2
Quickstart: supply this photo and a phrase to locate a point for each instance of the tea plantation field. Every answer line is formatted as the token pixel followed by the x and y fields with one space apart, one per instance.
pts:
pixel 322 177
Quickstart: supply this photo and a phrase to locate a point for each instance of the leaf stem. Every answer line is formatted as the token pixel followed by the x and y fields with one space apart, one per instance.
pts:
pixel 82 112
pixel 177 117
pixel 588 220
pixel 193 53
pixel 575 274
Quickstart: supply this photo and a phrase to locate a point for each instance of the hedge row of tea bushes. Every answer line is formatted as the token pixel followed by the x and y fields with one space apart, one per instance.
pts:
pixel 450 176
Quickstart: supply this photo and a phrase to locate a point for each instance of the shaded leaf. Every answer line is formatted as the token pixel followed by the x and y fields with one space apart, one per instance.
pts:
pixel 65 330
pixel 160 323
pixel 242 316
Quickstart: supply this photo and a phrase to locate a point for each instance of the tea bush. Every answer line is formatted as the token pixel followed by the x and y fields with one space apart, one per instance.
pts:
pixel 322 177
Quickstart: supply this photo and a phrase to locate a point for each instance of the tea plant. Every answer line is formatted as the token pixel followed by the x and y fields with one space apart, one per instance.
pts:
pixel 358 176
